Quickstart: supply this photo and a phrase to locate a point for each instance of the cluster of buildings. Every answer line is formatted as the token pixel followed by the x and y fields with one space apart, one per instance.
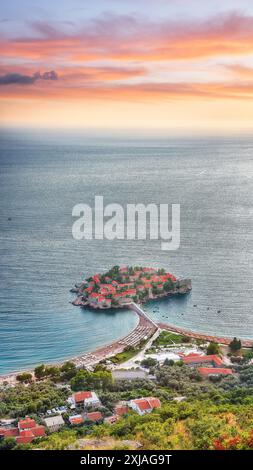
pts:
pixel 86 400
pixel 207 366
pixel 87 404
pixel 26 431
pixel 140 405
pixel 102 290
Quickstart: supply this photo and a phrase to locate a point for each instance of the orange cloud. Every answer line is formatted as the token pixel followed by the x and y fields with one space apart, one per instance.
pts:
pixel 142 92
pixel 241 70
pixel 125 38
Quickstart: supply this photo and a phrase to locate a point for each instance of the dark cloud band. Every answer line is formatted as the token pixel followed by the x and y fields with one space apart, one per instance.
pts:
pixel 19 79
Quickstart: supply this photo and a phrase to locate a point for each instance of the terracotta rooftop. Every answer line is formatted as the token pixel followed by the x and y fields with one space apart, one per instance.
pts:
pixel 143 404
pixel 94 416
pixel 81 396
pixel 9 432
pixel 154 402
pixel 77 419
pixel 148 403
pixel 205 371
pixel 26 423
pixel 38 431
pixel 192 359
pixel 121 410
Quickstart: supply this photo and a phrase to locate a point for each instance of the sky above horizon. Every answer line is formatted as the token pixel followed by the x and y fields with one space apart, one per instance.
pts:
pixel 112 64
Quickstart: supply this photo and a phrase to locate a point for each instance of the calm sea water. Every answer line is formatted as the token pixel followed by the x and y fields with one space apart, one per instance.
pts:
pixel 44 176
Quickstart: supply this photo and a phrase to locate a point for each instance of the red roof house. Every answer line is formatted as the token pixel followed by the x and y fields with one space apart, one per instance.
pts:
pixel 81 396
pixel 38 431
pixel 94 416
pixel 213 360
pixel 207 371
pixel 26 431
pixel 121 409
pixel 25 437
pixel 76 419
pixel 26 423
pixel 87 398
pixel 154 402
pixel 144 405
pixel 9 432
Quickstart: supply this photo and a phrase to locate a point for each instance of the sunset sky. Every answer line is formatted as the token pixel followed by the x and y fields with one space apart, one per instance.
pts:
pixel 117 64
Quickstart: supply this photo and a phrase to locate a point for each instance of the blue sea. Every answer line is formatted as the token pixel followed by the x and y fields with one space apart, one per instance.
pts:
pixel 43 175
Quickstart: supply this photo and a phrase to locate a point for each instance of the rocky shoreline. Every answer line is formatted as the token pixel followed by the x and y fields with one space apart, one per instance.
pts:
pixel 121 285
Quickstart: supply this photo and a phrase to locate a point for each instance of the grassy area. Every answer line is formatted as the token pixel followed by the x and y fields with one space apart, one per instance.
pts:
pixel 247 353
pixel 166 338
pixel 128 353
pixel 124 356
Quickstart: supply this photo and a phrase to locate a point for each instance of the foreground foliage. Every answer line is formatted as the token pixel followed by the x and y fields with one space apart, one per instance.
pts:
pixel 35 398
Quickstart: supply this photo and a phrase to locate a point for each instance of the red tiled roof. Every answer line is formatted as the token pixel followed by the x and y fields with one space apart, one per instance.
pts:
pixel 121 410
pixel 129 292
pixel 97 296
pixel 89 289
pixel 27 433
pixel 155 278
pixel 154 402
pixel 94 416
pixel 94 295
pixel 147 284
pixel 38 431
pixel 107 288
pixel 210 359
pixel 76 419
pixel 24 435
pixel 26 423
pixel 143 404
pixel 214 370
pixel 9 432
pixel 81 396
pixel 148 403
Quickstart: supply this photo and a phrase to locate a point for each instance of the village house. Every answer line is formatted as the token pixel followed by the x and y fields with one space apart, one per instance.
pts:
pixel 94 416
pixel 75 420
pixel 214 371
pixel 26 423
pixel 197 361
pixel 9 432
pixel 126 296
pixel 144 405
pixel 86 399
pixel 121 408
pixel 26 432
pixel 54 423
pixel 98 300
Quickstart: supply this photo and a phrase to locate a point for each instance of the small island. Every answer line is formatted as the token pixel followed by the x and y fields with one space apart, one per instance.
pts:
pixel 121 286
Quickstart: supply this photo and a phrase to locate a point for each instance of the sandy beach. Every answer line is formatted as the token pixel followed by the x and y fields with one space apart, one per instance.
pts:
pixel 144 330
